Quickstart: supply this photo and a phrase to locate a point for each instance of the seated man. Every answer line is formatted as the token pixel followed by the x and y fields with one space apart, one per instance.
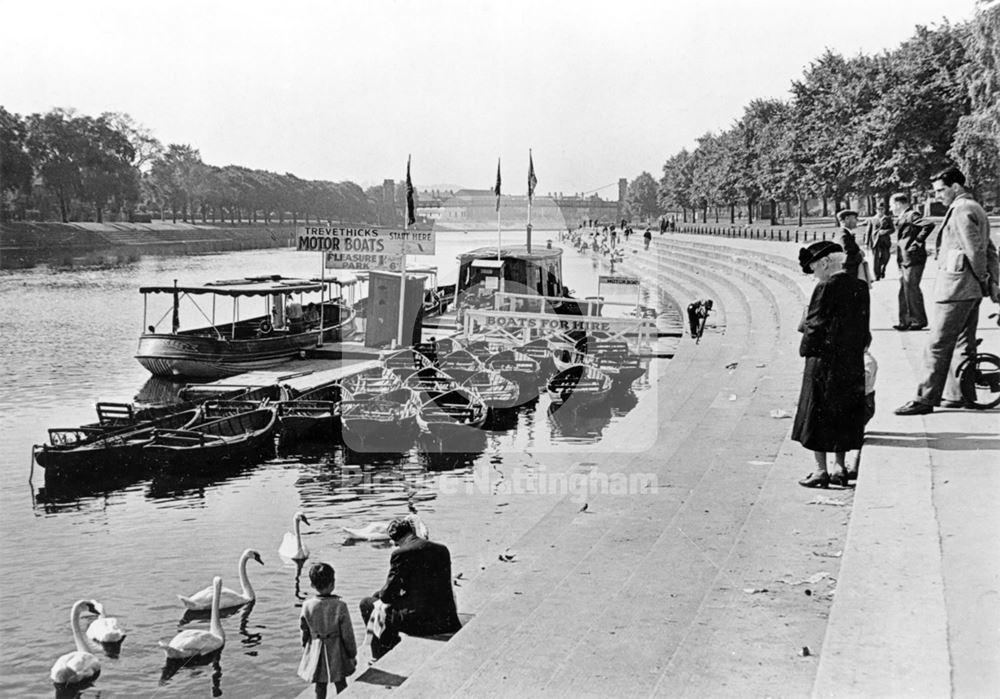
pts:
pixel 418 590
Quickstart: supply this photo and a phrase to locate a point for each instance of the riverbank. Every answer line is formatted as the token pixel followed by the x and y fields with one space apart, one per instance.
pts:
pixel 727 578
pixel 26 244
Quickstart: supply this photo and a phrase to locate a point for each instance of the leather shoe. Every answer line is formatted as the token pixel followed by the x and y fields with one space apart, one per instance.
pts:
pixel 816 480
pixel 914 408
pixel 901 328
pixel 852 475
pixel 952 404
pixel 839 478
pixel 917 327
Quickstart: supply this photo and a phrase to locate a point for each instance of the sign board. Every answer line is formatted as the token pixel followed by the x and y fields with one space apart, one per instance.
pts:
pixel 351 241
pixel 619 280
pixel 364 261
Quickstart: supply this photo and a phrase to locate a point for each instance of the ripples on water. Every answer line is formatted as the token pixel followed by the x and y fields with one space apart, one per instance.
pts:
pixel 134 544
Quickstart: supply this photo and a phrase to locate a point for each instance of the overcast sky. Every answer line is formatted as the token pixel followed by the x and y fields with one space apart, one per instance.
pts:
pixel 341 90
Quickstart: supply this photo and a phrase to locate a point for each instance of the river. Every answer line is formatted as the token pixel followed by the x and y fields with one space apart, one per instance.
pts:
pixel 68 339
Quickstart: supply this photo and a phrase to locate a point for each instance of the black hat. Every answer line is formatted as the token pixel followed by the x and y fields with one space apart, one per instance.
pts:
pixel 816 252
pixel 844 213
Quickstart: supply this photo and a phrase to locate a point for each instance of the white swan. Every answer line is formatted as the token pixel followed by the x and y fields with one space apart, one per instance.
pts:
pixel 105 629
pixel 292 546
pixel 378 531
pixel 202 600
pixel 81 665
pixel 192 642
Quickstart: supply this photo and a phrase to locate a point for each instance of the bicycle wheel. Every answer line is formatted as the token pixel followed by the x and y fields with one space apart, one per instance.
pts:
pixel 980 381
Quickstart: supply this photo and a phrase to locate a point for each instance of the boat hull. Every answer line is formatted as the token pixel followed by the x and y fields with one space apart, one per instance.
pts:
pixel 204 357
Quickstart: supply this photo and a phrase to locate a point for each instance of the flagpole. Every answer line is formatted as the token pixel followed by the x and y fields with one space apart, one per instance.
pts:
pixel 402 269
pixel 498 209
pixel 531 173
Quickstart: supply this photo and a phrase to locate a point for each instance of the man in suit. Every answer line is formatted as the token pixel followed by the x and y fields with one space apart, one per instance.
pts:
pixel 848 219
pixel 967 270
pixel 911 255
pixel 878 238
pixel 418 590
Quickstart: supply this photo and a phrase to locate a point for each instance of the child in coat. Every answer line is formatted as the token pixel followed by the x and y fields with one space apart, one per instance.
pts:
pixel 329 652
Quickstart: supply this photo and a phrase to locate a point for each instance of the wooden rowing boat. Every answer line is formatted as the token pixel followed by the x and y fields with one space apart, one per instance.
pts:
pixel 244 436
pixel 385 423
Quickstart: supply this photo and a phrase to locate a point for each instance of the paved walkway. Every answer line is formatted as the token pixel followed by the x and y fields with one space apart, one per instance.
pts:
pixel 717 575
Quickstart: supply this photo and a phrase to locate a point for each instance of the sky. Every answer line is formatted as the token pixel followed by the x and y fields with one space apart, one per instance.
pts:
pixel 337 90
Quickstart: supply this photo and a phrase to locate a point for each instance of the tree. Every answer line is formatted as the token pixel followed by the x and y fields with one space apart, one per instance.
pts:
pixel 674 190
pixel 976 145
pixel 16 171
pixel 640 198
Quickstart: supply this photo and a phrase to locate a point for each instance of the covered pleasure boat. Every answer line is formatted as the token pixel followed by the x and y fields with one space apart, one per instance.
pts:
pixel 272 319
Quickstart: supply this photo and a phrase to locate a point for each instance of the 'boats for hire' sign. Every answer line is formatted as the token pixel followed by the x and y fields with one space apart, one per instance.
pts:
pixel 364 247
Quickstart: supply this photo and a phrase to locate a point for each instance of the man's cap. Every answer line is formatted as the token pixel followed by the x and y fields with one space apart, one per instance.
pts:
pixel 844 213
pixel 816 252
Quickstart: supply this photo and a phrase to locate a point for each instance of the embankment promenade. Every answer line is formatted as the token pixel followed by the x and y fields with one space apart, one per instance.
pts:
pixel 725 578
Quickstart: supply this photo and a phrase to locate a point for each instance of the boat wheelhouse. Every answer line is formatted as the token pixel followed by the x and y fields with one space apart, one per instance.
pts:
pixel 272 320
pixel 514 269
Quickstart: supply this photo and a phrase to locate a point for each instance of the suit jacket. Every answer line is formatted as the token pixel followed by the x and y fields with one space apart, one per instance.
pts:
pixel 879 231
pixel 845 238
pixel 911 233
pixel 966 256
pixel 418 589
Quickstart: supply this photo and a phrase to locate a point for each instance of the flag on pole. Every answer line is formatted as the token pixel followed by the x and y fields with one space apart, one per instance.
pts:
pixel 496 190
pixel 532 180
pixel 410 217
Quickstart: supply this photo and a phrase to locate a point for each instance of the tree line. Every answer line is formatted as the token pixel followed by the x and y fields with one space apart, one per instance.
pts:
pixel 71 167
pixel 858 128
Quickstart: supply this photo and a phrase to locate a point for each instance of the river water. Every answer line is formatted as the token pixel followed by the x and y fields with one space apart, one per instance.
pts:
pixel 68 339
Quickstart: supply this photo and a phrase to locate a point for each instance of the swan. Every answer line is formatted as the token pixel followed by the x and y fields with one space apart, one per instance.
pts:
pixel 105 629
pixel 192 642
pixel 378 531
pixel 81 665
pixel 292 546
pixel 202 600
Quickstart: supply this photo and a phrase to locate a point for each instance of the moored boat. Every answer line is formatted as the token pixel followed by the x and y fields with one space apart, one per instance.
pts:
pixel 385 422
pixel 460 364
pixel 371 382
pixel 519 368
pixel 314 412
pixel 430 380
pixel 452 416
pixel 578 385
pixel 245 342
pixel 496 391
pixel 405 361
pixel 243 436
pixel 81 452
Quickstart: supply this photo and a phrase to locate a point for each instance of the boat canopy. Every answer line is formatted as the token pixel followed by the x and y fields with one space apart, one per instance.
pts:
pixel 248 286
pixel 513 251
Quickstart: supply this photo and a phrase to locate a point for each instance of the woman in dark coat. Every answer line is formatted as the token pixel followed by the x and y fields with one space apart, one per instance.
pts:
pixel 831 412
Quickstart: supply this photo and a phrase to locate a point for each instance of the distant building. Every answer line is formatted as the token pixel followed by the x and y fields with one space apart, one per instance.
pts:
pixel 476 208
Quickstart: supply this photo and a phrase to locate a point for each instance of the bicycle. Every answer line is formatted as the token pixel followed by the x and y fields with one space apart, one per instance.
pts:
pixel 979 377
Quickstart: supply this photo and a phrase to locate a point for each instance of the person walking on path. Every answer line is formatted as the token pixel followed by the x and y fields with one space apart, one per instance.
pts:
pixel 854 257
pixel 329 651
pixel 417 591
pixel 835 331
pixel 646 238
pixel 878 238
pixel 967 270
pixel 911 256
